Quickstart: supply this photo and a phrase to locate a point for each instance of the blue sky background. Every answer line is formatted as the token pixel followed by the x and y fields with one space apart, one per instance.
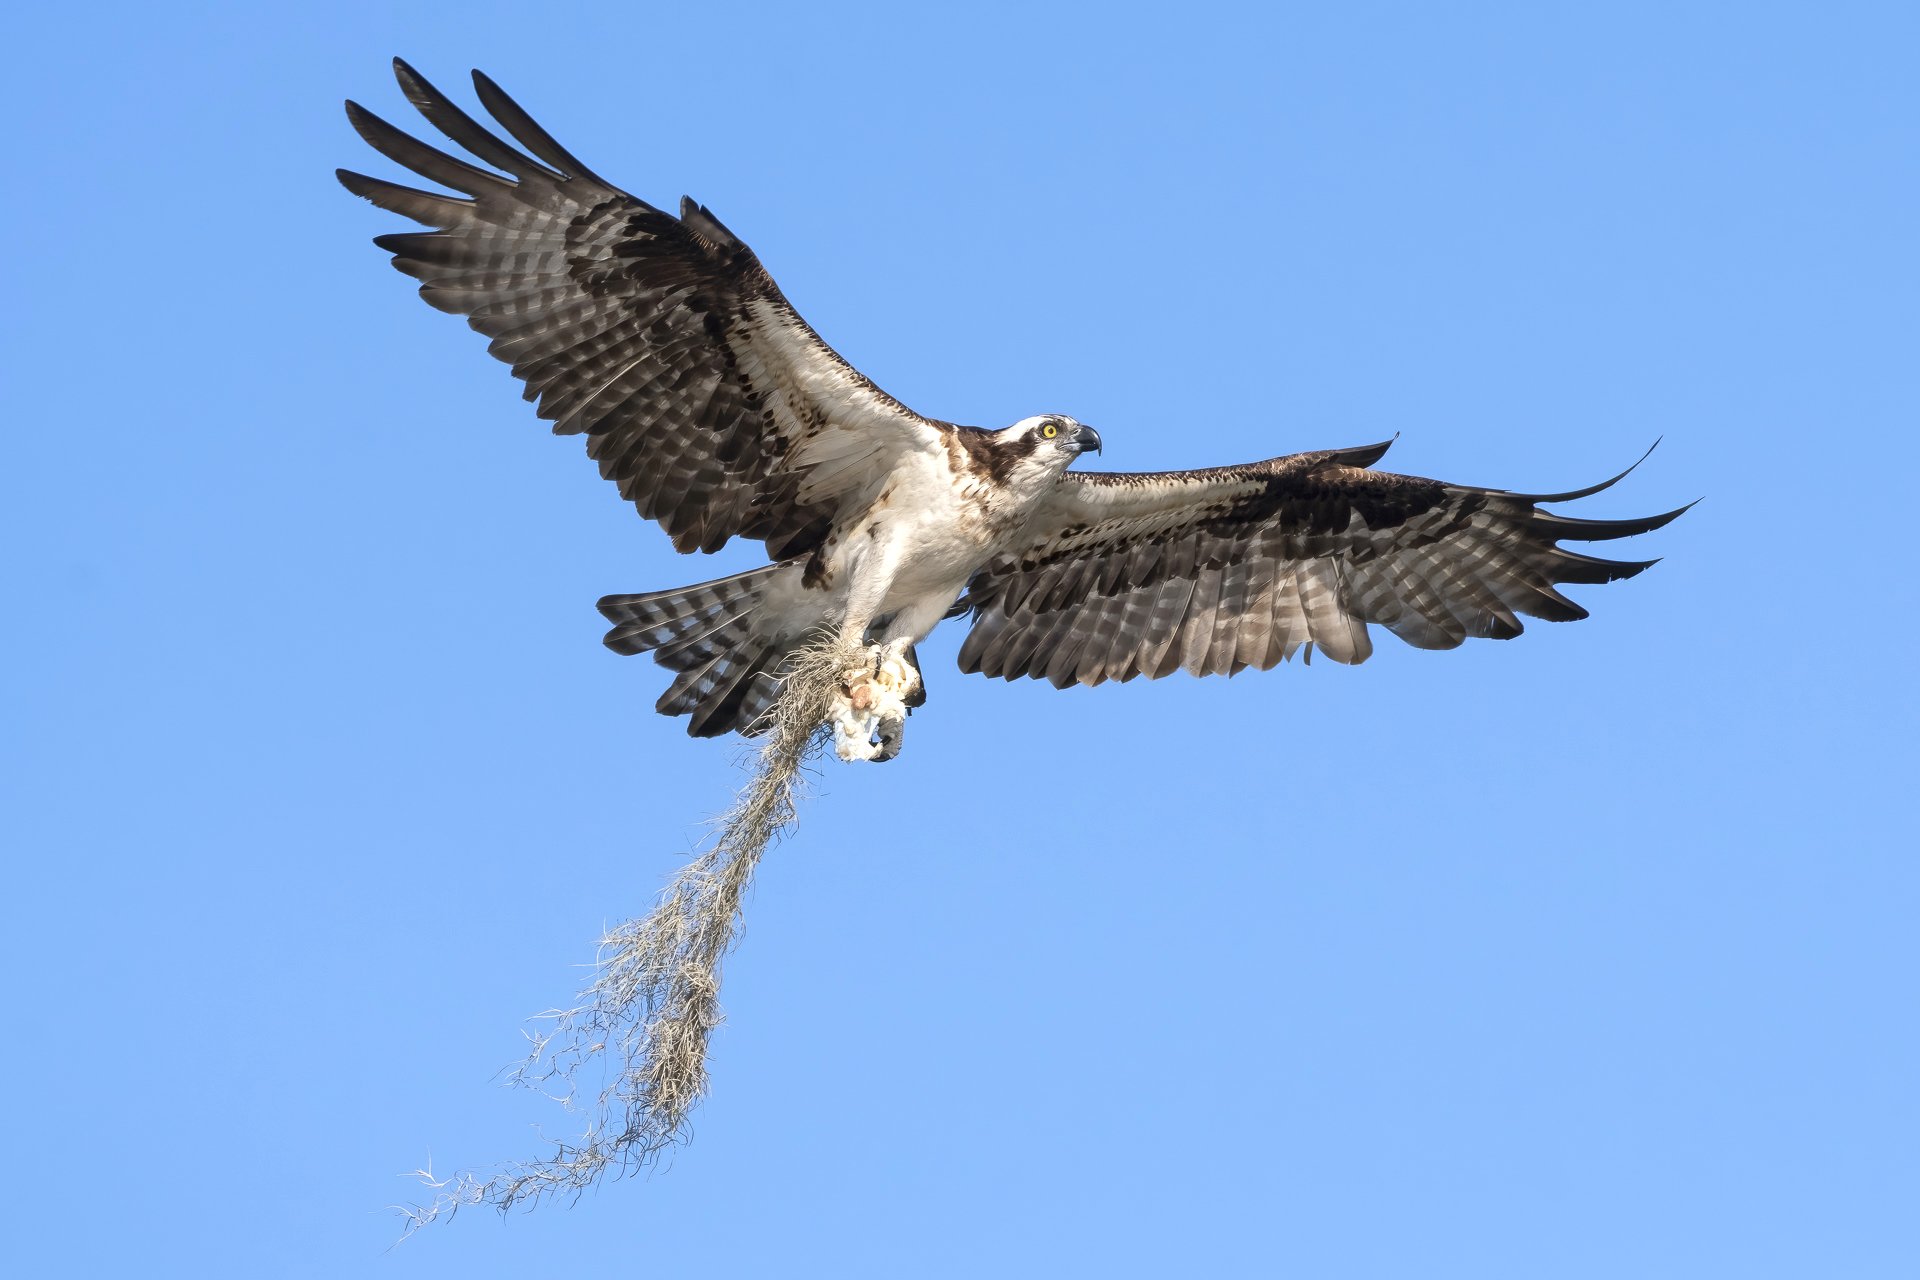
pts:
pixel 1591 954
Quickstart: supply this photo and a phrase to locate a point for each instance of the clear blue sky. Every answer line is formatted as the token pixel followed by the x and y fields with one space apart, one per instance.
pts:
pixel 1591 954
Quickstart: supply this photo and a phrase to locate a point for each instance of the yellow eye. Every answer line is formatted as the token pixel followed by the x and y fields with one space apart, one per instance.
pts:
pixel 1051 430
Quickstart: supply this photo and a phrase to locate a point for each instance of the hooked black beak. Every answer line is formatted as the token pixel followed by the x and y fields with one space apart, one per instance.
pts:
pixel 1085 438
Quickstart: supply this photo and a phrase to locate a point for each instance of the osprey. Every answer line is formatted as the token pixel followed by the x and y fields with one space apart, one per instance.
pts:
pixel 721 414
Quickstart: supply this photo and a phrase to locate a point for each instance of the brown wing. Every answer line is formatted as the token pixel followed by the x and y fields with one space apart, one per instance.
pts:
pixel 1218 570
pixel 701 392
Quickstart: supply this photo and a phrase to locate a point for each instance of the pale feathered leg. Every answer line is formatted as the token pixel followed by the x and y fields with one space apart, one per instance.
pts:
pixel 898 682
pixel 869 720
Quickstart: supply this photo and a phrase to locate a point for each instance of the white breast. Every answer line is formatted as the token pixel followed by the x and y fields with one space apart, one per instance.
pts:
pixel 941 528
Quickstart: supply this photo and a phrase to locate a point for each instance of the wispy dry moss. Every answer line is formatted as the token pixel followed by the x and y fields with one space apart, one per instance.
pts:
pixel 644 1021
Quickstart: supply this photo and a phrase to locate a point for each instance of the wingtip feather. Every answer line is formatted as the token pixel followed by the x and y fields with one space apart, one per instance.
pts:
pixel 1367 454
pixel 1579 529
pixel 415 86
pixel 1575 494
pixel 530 134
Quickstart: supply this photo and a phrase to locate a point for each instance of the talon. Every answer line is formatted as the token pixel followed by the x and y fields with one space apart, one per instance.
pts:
pixel 870 715
pixel 891 736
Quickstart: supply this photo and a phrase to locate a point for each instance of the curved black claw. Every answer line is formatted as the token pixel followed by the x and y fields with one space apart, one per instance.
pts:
pixel 918 698
pixel 891 734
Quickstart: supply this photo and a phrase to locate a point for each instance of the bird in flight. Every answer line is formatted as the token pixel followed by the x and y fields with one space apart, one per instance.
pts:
pixel 721 414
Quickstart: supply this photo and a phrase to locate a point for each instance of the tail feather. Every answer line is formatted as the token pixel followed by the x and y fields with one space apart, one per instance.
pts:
pixel 657 618
pixel 726 634
pixel 720 710
pixel 727 656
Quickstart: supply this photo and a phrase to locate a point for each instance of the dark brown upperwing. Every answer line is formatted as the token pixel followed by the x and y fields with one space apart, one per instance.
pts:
pixel 1233 567
pixel 701 392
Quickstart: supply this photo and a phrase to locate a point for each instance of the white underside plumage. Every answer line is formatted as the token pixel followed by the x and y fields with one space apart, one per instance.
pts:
pixel 896 570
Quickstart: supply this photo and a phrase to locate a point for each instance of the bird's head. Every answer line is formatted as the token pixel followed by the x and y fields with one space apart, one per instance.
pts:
pixel 1051 438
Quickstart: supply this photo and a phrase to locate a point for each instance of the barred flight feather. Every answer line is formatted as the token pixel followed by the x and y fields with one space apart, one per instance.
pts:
pixel 1218 570
pixel 661 339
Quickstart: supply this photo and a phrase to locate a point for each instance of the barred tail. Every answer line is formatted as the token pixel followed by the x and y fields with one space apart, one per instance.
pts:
pixel 726 652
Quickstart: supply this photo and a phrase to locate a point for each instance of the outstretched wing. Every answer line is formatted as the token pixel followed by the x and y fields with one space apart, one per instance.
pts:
pixel 701 392
pixel 1234 567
